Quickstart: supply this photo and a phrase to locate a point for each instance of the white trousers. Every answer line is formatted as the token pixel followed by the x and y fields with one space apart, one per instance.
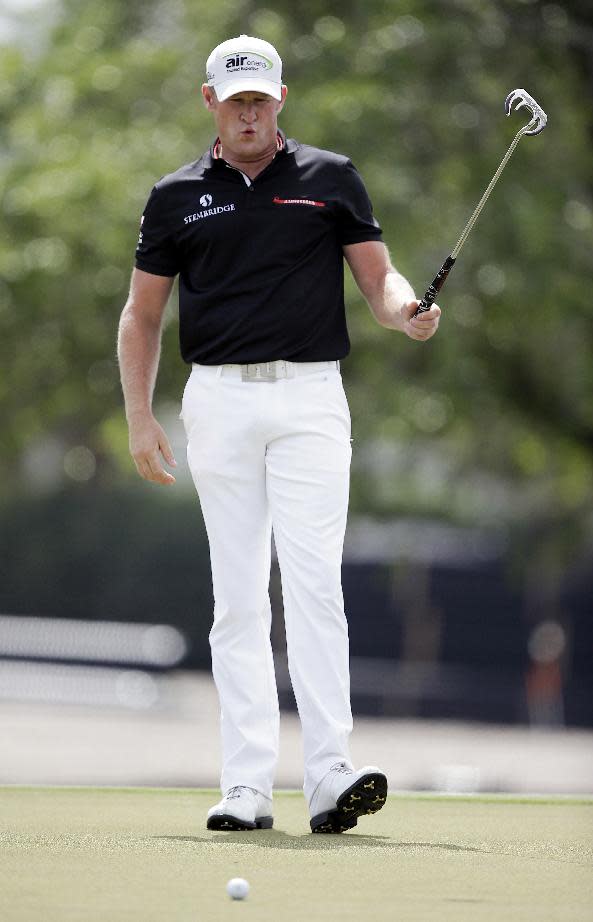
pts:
pixel 263 455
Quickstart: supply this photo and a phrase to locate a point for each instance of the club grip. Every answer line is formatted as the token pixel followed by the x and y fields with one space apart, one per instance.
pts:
pixel 438 282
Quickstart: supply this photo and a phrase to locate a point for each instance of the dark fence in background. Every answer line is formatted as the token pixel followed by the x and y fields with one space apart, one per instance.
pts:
pixel 439 639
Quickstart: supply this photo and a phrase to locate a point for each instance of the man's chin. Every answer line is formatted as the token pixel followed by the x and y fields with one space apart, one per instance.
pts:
pixel 253 146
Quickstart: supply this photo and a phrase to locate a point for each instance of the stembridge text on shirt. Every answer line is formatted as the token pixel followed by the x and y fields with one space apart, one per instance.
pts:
pixel 207 213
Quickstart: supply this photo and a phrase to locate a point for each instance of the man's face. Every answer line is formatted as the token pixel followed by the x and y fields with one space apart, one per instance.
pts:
pixel 246 122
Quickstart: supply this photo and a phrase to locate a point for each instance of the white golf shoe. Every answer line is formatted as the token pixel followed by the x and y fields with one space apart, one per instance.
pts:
pixel 344 794
pixel 241 808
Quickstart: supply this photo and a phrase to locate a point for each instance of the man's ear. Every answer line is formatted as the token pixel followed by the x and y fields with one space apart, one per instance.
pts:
pixel 283 100
pixel 209 97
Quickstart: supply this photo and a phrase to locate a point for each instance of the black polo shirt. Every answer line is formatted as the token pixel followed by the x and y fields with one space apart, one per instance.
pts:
pixel 261 271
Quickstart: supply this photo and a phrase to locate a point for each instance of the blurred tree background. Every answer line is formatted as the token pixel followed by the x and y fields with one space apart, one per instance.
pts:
pixel 489 423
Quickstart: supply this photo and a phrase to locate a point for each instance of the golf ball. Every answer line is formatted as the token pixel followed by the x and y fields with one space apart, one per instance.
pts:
pixel 237 888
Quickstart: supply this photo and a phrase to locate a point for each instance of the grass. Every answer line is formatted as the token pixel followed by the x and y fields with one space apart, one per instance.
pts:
pixel 144 855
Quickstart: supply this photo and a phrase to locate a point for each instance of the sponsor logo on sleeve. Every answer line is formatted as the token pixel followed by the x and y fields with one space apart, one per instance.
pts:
pixel 297 201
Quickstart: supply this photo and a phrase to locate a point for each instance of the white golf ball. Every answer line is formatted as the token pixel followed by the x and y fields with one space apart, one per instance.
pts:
pixel 237 888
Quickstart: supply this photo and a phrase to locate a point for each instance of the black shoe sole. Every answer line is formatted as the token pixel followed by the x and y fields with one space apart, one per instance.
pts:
pixel 367 795
pixel 230 823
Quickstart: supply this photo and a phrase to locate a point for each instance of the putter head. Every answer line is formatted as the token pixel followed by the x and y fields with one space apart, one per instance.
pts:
pixel 521 99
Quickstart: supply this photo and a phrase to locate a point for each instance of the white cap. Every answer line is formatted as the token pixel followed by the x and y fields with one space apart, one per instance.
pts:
pixel 245 63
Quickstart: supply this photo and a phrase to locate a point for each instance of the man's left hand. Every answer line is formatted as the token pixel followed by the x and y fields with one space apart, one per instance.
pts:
pixel 424 325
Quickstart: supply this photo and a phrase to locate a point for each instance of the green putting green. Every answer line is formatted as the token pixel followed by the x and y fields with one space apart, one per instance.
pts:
pixel 145 855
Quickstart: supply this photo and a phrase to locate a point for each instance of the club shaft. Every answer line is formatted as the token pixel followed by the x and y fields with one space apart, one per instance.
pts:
pixel 484 199
pixel 440 279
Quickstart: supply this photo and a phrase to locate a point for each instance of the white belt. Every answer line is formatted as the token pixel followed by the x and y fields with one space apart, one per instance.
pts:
pixel 270 371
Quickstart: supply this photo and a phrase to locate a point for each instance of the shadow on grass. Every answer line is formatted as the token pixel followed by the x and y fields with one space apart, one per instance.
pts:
pixel 275 838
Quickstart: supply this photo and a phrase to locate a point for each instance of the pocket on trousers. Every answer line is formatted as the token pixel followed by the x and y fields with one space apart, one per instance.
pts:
pixel 181 412
pixel 192 400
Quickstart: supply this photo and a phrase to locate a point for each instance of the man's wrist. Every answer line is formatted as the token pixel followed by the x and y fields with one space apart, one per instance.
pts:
pixel 399 316
pixel 137 414
pixel 398 295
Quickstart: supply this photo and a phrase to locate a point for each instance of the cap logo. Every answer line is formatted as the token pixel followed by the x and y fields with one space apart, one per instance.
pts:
pixel 247 62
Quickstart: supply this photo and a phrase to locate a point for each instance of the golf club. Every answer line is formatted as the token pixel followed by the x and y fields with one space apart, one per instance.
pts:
pixel 538 122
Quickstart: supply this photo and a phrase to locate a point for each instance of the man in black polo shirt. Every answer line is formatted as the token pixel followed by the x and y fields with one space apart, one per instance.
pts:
pixel 257 230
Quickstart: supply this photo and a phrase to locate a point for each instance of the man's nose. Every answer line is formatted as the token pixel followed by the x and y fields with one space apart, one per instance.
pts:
pixel 249 113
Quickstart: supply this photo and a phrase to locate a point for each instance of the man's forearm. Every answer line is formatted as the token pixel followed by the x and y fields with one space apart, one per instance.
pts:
pixel 138 350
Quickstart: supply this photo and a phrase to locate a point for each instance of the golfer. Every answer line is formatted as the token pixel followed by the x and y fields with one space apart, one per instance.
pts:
pixel 257 229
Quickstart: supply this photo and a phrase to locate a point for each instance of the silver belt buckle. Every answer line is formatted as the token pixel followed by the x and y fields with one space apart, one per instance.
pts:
pixel 259 371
